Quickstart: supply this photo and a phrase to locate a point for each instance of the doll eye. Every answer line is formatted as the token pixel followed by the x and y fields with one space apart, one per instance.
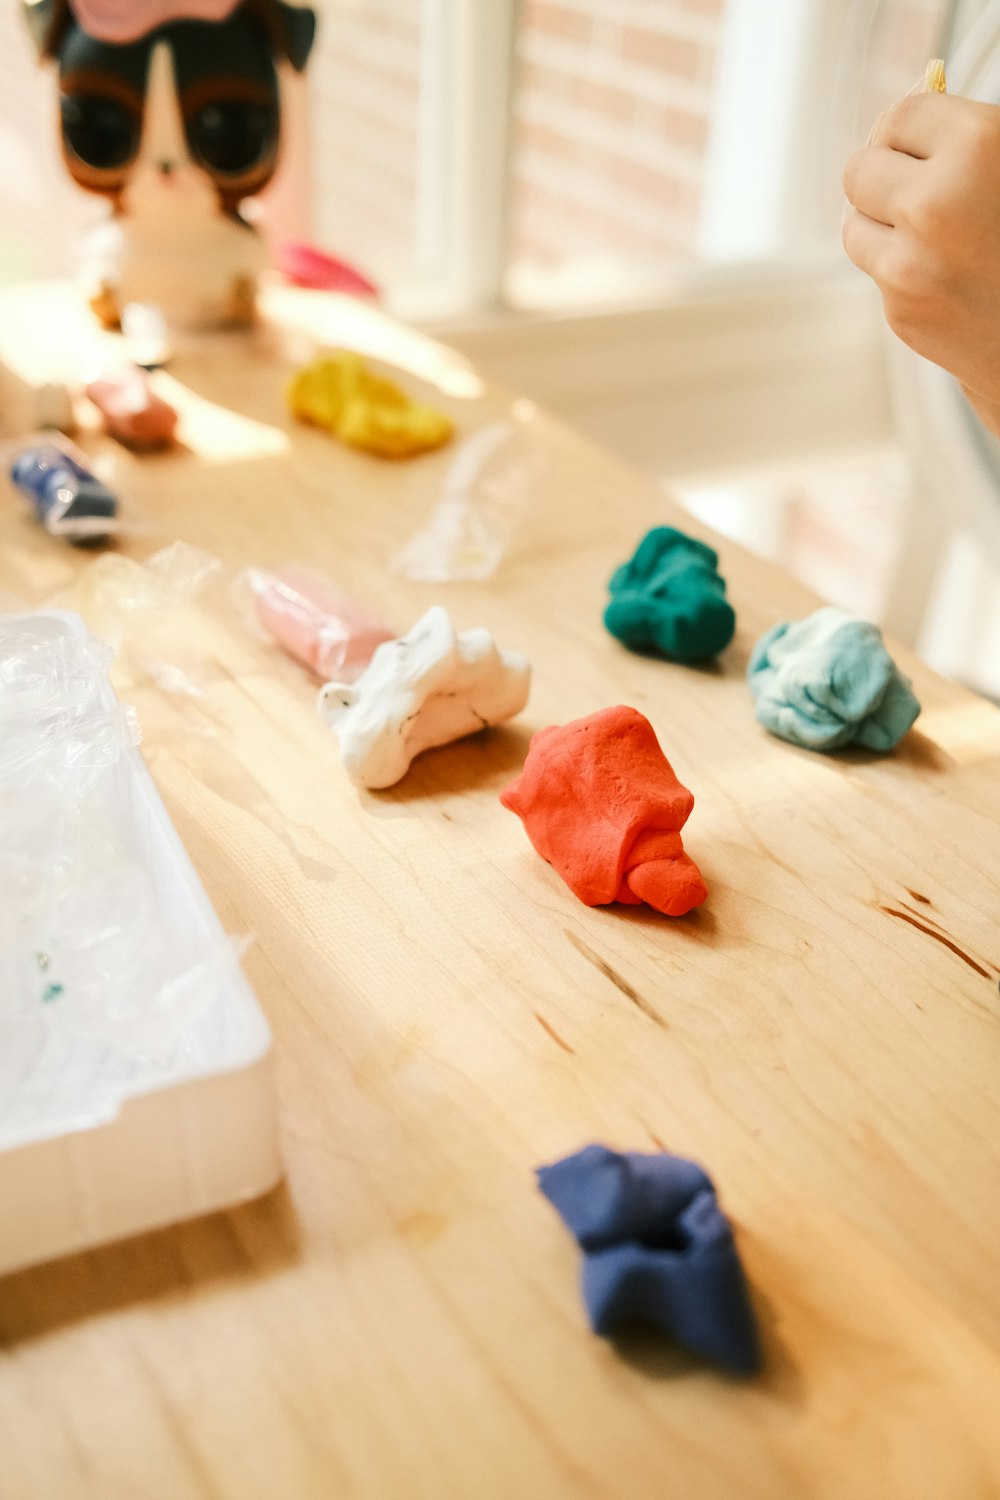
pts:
pixel 232 137
pixel 101 132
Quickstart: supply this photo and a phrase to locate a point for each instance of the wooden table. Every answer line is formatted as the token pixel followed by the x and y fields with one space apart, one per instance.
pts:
pixel 402 1318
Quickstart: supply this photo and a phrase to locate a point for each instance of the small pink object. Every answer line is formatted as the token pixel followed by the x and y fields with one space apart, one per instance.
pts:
pixel 132 411
pixel 122 21
pixel 325 630
pixel 306 266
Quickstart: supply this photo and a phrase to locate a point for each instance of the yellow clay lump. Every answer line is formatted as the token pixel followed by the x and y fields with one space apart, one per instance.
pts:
pixel 340 393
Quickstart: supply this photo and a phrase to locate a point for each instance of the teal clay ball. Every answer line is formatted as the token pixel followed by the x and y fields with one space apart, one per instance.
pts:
pixel 671 599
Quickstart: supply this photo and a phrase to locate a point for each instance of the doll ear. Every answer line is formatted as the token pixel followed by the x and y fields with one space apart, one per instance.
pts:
pixel 295 26
pixel 47 20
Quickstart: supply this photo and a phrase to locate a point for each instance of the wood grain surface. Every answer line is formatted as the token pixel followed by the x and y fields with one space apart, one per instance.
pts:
pixel 402 1318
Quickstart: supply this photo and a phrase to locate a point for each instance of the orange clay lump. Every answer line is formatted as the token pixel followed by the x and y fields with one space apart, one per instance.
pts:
pixel 601 804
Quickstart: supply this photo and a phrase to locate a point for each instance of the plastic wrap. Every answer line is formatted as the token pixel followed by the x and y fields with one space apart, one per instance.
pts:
pixel 310 618
pixel 92 944
pixel 101 978
pixel 57 737
pixel 488 490
pixel 138 608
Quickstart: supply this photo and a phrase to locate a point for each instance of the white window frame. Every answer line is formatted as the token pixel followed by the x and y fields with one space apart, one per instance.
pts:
pixel 760 195
pixel 463 151
pixel 464 148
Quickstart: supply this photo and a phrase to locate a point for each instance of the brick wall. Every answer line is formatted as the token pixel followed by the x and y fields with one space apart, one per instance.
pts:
pixel 611 125
pixel 365 78
pixel 612 118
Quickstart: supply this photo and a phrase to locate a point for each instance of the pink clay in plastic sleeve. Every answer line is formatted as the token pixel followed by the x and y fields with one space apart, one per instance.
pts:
pixel 324 629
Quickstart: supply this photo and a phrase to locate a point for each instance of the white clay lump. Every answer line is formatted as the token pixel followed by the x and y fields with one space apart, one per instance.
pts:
pixel 432 686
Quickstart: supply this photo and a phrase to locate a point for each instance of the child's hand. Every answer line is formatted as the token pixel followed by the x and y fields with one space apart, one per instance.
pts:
pixel 925 225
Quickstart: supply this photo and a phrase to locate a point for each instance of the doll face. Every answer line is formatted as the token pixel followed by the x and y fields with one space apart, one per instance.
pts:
pixel 191 107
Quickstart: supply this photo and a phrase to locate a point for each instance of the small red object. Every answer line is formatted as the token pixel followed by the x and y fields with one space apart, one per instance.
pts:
pixel 132 411
pixel 600 802
pixel 306 266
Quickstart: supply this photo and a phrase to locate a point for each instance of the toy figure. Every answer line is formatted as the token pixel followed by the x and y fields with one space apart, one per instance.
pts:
pixel 171 110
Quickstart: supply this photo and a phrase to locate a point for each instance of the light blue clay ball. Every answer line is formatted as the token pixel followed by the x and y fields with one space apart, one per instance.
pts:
pixel 828 681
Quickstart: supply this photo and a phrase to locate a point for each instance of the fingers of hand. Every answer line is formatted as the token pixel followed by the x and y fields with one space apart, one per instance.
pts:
pixel 866 241
pixel 925 125
pixel 878 181
pixel 917 124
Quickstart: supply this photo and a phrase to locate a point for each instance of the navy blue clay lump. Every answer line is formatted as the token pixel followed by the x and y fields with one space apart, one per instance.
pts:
pixel 657 1249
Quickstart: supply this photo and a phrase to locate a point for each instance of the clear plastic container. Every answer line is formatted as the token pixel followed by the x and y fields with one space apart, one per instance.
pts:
pixel 135 1084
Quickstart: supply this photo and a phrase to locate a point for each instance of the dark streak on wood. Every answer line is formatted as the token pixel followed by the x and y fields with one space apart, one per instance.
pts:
pixel 617 980
pixel 938 937
pixel 922 915
pixel 657 1142
pixel 553 1033
pixel 924 900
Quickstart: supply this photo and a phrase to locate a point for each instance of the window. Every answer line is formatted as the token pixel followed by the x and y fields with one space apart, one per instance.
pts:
pixel 612 117
pixel 365 92
pixel 464 152
pixel 655 135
